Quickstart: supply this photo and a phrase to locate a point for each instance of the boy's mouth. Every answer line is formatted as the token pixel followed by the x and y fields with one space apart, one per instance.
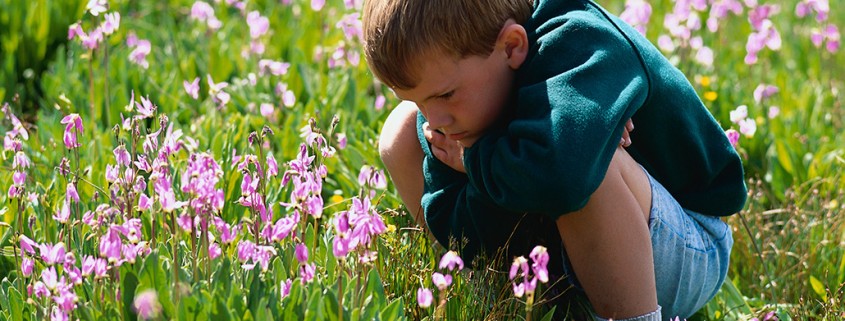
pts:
pixel 457 136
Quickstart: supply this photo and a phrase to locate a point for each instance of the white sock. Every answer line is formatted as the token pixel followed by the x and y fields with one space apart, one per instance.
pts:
pixel 655 315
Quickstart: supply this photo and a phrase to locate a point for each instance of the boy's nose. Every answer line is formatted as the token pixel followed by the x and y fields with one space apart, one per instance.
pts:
pixel 437 119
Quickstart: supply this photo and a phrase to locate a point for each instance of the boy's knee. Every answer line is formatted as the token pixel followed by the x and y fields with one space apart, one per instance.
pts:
pixel 398 136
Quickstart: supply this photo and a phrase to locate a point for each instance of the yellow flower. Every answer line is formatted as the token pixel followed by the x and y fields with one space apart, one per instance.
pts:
pixel 335 199
pixel 710 95
pixel 705 81
pixel 391 228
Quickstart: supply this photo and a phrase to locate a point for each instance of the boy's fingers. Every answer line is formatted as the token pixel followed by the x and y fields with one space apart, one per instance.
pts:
pixel 629 125
pixel 434 137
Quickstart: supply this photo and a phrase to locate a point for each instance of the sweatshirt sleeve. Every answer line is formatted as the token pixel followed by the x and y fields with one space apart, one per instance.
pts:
pixel 583 82
pixel 454 212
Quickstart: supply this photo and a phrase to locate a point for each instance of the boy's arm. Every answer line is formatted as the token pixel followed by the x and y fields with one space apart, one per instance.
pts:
pixel 456 212
pixel 571 110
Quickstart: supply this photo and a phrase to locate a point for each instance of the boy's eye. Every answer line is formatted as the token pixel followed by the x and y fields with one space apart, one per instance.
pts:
pixel 447 95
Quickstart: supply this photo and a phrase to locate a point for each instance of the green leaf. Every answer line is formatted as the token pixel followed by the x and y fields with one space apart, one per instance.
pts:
pixel 375 288
pixel 16 304
pixel 784 157
pixel 220 311
pixel 153 276
pixel 128 286
pixel 818 287
pixel 190 308
pixel 549 315
pixel 394 311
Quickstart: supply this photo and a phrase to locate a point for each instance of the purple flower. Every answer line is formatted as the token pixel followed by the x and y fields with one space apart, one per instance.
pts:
pixel 275 68
pixel 266 110
pixel 774 111
pixel 21 161
pixel 122 156
pixel 74 30
pixel 351 26
pixel 637 13
pixel 764 91
pixel 285 287
pixel 95 7
pixel 738 114
pixel 214 251
pixel 88 264
pixel 258 25
pixel 57 314
pixel 192 88
pixel 272 166
pixel 341 140
pixel 50 278
pixel 246 250
pixel 111 245
pixel 451 260
pixel 111 23
pixel 52 254
pixel 27 265
pixel 73 127
pixel 441 281
pixel 28 245
pixel 765 36
pixel 540 256
pixel 748 127
pixel 424 297
pixel 146 109
pixel 316 5
pixel 147 305
pixel 64 213
pixel 301 253
pixel 306 272
pixel 139 54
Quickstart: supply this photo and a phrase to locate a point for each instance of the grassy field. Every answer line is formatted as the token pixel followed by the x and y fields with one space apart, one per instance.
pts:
pixel 218 161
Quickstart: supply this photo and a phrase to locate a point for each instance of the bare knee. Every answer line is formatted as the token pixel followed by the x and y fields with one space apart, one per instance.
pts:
pixel 402 155
pixel 399 135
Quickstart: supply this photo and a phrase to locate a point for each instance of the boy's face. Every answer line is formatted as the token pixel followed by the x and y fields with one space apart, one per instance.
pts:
pixel 461 98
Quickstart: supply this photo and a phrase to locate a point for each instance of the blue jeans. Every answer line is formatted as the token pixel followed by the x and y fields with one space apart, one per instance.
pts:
pixel 691 254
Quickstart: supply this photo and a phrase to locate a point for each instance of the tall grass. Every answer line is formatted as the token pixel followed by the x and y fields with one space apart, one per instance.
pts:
pixel 788 256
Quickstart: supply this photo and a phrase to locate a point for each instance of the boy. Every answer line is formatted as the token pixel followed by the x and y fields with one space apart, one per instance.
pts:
pixel 536 97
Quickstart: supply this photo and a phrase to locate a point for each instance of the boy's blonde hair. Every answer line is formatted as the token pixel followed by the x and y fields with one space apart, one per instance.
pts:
pixel 398 32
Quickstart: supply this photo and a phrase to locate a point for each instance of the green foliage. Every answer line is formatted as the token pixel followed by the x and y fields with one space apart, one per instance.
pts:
pixel 30 32
pixel 787 258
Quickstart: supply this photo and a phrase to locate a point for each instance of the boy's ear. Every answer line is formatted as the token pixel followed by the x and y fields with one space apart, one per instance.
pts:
pixel 513 40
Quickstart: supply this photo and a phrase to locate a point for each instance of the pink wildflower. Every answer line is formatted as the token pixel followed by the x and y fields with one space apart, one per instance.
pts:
pixel 147 305
pixel 317 5
pixel 301 253
pixel 95 7
pixel 441 281
pixel 139 54
pixel 424 297
pixel 258 25
pixel 192 88
pixel 111 23
pixel 451 260
pixel 73 127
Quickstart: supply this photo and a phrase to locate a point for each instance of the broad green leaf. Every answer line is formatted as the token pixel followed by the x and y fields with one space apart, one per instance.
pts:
pixel 191 309
pixel 375 288
pixel 394 311
pixel 153 276
pixel 4 295
pixel 128 285
pixel 818 287
pixel 549 315
pixel 16 304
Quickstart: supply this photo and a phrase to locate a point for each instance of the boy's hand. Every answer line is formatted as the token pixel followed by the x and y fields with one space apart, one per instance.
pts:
pixel 626 134
pixel 447 151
